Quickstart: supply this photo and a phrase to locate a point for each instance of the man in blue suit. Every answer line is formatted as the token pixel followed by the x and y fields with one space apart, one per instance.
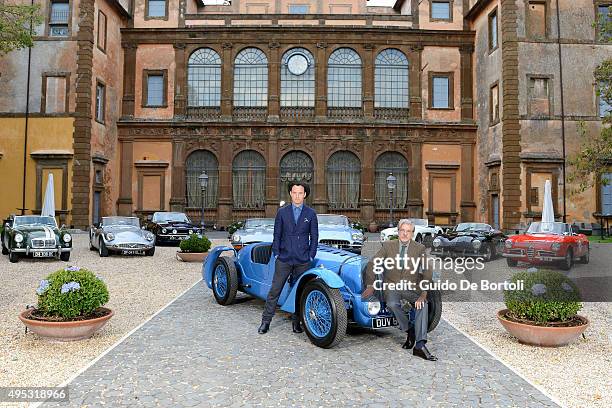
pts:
pixel 296 235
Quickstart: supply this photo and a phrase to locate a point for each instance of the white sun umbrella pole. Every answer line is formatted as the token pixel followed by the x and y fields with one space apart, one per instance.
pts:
pixel 48 208
pixel 548 214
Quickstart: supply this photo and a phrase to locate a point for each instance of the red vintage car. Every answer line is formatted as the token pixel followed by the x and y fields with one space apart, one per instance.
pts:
pixel 547 242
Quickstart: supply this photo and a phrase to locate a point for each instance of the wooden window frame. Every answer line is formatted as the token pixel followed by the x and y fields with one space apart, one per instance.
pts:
pixel 450 11
pixel 546 4
pixel 66 75
pixel 494 121
pixel 146 13
pixel 103 49
pixel 145 87
pixel 48 21
pixel 451 89
pixel 550 79
pixel 103 121
pixel 489 30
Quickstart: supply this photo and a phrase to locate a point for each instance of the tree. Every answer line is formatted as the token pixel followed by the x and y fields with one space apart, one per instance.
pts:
pixel 15 20
pixel 595 157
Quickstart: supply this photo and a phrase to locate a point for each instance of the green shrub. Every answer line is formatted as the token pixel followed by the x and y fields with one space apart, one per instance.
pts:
pixel 195 243
pixel 392 237
pixel 358 226
pixel 547 296
pixel 71 292
pixel 236 225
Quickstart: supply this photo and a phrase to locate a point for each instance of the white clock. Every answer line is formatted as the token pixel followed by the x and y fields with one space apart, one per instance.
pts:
pixel 297 64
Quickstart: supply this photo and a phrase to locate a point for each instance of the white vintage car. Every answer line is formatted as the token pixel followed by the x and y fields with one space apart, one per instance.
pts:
pixel 422 231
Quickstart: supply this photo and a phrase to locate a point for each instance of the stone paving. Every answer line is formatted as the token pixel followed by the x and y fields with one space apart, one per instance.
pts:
pixel 198 353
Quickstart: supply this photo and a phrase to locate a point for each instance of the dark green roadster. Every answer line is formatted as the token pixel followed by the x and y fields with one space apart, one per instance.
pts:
pixel 35 236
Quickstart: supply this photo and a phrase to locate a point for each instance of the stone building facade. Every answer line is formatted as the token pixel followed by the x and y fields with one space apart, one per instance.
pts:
pixel 337 93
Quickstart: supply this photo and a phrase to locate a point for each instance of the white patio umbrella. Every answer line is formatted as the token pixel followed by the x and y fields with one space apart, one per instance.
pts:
pixel 548 214
pixel 48 208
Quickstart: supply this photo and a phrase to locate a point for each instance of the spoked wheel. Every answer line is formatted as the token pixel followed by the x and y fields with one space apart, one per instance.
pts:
pixel 225 281
pixel 102 249
pixel 568 261
pixel 487 253
pixel 323 313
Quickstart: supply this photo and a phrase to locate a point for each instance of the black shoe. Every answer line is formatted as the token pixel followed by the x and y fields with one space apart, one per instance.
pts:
pixel 424 354
pixel 263 328
pixel 410 340
pixel 297 327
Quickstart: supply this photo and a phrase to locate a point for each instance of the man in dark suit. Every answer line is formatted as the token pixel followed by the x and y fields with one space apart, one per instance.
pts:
pixel 406 270
pixel 296 236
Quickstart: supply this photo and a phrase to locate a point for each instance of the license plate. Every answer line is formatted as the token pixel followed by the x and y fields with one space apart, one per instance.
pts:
pixel 380 322
pixel 547 259
pixel 44 254
pixel 130 252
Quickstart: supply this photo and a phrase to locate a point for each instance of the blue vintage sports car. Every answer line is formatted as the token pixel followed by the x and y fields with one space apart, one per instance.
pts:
pixel 327 297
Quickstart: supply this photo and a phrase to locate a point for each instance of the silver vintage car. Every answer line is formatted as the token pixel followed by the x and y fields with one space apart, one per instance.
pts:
pixel 121 235
pixel 254 230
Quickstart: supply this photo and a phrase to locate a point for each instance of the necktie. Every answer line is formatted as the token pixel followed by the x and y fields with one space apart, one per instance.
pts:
pixel 402 253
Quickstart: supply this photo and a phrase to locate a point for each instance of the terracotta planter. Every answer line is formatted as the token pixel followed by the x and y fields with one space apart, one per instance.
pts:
pixel 64 331
pixel 191 256
pixel 541 335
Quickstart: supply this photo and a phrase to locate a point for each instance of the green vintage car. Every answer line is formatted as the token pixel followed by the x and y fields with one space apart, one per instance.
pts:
pixel 35 236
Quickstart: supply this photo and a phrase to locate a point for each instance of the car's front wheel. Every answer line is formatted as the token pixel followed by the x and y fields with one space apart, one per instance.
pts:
pixel 150 252
pixel 585 258
pixel 102 249
pixel 511 262
pixel 568 261
pixel 323 313
pixel 4 249
pixel 225 280
pixel 65 256
pixel 434 309
pixel 13 257
pixel 487 252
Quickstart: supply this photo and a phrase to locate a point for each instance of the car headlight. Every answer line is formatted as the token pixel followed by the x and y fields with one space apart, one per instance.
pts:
pixel 18 238
pixel 67 238
pixel 164 230
pixel 190 232
pixel 235 238
pixel 110 236
pixel 476 243
pixel 149 236
pixel 373 308
pixel 174 231
pixel 437 242
pixel 357 237
pixel 555 246
pixel 508 244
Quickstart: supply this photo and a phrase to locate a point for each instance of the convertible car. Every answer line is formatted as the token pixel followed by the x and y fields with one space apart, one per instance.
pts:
pixel 470 239
pixel 254 230
pixel 171 227
pixel 547 242
pixel 422 231
pixel 121 235
pixel 35 236
pixel 327 297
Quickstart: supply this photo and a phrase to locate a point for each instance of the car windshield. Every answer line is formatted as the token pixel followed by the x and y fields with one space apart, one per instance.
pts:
pixel 259 222
pixel 170 217
pixel 34 219
pixel 419 221
pixel 547 228
pixel 472 226
pixel 120 221
pixel 332 220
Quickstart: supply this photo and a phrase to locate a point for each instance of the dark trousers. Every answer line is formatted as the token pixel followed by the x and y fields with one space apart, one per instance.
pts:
pixel 421 316
pixel 282 271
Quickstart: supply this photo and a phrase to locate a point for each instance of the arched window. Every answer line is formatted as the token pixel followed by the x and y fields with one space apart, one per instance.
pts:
pixel 204 78
pixel 391 80
pixel 297 78
pixel 198 162
pixel 251 78
pixel 249 180
pixel 344 79
pixel 343 180
pixel 391 162
pixel 296 166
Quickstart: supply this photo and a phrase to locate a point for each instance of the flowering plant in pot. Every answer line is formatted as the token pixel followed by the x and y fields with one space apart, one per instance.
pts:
pixel 544 310
pixel 69 305
pixel 194 249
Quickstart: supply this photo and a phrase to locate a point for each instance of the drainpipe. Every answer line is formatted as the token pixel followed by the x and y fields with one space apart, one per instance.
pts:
pixel 562 105
pixel 27 115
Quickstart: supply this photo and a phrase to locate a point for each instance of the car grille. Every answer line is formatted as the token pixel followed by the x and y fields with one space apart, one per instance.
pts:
pixel 43 243
pixel 530 252
pixel 338 243
pixel 131 246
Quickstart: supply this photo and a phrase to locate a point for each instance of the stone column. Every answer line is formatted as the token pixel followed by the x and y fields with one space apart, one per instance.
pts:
pixel 468 206
pixel 414 57
pixel 274 83
pixel 177 174
pixel 225 185
pixel 415 177
pixel 180 80
pixel 368 81
pixel 320 191
pixel 272 176
pixel 227 84
pixel 467 110
pixel 124 203
pixel 321 81
pixel 129 78
pixel 366 203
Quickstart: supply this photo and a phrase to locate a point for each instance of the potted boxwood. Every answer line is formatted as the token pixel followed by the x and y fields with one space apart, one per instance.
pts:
pixel 544 311
pixel 194 249
pixel 69 305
